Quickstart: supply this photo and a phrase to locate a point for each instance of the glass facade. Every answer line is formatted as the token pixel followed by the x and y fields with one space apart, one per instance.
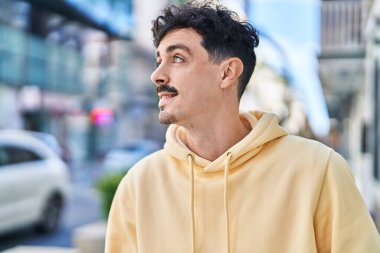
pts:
pixel 114 15
pixel 29 60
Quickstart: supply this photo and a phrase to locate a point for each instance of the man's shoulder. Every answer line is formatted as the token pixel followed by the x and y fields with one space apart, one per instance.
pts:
pixel 298 142
pixel 300 156
pixel 305 151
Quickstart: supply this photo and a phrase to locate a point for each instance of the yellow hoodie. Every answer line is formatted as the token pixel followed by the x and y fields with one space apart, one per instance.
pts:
pixel 269 193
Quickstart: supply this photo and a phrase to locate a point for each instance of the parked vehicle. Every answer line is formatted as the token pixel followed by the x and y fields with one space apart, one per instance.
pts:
pixel 120 159
pixel 34 183
pixel 53 143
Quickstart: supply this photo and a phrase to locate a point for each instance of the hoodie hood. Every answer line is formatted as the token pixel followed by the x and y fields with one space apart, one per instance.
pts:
pixel 265 128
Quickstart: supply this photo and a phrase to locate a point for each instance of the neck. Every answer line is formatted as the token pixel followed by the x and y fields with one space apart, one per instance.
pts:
pixel 211 138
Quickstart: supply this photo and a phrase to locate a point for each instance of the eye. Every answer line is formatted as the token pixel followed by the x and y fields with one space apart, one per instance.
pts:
pixel 177 59
pixel 158 63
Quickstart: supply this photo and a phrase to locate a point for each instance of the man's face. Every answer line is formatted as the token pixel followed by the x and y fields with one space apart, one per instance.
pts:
pixel 187 81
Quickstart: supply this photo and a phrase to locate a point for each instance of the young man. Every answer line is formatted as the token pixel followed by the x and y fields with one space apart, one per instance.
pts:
pixel 225 181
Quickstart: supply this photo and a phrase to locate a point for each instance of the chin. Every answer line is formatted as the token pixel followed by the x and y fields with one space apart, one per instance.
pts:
pixel 166 118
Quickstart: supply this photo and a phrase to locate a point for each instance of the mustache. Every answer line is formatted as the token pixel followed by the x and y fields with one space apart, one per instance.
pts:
pixel 165 88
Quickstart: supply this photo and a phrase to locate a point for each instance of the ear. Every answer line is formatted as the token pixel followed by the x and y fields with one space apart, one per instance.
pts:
pixel 232 70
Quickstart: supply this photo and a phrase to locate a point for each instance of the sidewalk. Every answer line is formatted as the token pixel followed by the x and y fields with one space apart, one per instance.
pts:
pixel 89 238
pixel 36 249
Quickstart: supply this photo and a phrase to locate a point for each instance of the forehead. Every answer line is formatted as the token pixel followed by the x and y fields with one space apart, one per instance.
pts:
pixel 180 38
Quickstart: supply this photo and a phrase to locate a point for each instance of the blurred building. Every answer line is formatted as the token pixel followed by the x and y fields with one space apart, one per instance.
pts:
pixel 349 70
pixel 79 70
pixel 271 89
pixel 39 79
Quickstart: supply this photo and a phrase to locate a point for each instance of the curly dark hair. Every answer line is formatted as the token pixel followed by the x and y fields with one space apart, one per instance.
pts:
pixel 223 35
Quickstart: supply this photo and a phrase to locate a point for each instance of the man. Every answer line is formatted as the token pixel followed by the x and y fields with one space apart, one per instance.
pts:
pixel 228 181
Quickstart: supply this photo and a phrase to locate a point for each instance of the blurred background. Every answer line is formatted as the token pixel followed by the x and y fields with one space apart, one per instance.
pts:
pixel 75 78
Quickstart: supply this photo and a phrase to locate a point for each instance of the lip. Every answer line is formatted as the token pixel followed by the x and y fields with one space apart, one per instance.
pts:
pixel 165 98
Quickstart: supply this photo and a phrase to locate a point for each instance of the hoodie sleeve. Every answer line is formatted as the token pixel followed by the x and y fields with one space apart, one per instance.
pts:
pixel 121 228
pixel 342 222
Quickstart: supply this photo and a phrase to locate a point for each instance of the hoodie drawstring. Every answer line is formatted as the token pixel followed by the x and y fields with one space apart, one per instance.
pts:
pixel 226 172
pixel 190 159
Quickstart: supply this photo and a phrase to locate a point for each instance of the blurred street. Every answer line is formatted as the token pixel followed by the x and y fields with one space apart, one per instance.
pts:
pixel 83 208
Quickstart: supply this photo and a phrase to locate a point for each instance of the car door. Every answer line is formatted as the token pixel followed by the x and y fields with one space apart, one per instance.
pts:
pixel 20 184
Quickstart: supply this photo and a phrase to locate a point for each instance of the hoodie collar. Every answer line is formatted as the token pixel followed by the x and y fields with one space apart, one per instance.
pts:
pixel 265 127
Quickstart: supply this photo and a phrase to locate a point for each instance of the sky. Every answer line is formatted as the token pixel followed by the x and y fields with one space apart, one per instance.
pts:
pixel 294 26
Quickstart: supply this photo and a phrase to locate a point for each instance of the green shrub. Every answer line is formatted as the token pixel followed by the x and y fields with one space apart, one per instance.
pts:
pixel 107 186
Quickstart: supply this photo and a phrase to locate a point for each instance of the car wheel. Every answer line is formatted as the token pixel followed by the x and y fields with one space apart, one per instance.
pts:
pixel 51 215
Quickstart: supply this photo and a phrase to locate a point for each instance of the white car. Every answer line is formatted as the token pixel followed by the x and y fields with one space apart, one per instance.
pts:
pixel 34 183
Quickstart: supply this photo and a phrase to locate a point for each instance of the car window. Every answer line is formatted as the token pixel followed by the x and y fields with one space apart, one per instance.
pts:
pixel 13 155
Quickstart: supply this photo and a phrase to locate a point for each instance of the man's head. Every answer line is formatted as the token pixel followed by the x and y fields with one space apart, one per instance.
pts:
pixel 223 35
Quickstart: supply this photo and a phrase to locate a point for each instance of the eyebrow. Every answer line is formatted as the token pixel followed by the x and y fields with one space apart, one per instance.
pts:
pixel 174 47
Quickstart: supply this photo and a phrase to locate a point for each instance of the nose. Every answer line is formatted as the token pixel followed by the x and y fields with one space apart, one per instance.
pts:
pixel 159 76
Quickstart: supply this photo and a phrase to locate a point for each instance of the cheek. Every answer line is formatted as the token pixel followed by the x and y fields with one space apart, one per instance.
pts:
pixel 203 93
pixel 200 83
pixel 207 75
